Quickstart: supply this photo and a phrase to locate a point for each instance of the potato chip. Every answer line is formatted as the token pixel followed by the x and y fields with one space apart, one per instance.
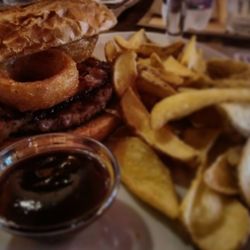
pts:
pixel 185 103
pixel 162 74
pixel 154 85
pixel 189 56
pixel 125 72
pixel 156 61
pixel 244 173
pixel 239 116
pixel 164 139
pixel 111 52
pixel 146 176
pixel 197 214
pixel 170 70
pixel 134 42
pixel 200 66
pixel 173 66
pixel 174 49
pixel 213 221
pixel 221 176
pixel 144 62
pixel 175 81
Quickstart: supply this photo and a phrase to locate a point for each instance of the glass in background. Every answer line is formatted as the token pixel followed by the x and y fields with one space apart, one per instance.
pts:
pixel 238 16
pixel 181 15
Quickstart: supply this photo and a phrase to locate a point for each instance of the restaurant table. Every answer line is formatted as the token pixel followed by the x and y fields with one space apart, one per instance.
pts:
pixel 229 45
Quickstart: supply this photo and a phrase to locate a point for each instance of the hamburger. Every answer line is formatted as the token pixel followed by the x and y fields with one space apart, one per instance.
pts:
pixel 48 80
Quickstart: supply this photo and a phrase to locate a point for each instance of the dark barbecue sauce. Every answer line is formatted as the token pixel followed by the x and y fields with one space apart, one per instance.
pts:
pixel 52 188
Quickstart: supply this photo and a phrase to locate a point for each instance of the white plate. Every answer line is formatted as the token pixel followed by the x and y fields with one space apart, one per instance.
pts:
pixel 160 38
pixel 128 224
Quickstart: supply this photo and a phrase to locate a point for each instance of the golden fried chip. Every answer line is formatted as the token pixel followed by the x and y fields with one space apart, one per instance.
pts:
pixel 111 52
pixel 174 49
pixel 213 221
pixel 161 73
pixel 146 176
pixel 173 66
pixel 239 116
pixel 154 85
pixel 244 173
pixel 201 65
pixel 156 61
pixel 144 62
pixel 164 139
pixel 134 42
pixel 185 103
pixel 125 72
pixel 189 55
pixel 221 176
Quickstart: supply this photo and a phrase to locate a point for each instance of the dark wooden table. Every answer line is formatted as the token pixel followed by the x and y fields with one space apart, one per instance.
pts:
pixel 129 18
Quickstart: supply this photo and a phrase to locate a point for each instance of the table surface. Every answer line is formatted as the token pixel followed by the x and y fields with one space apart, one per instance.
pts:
pixel 128 20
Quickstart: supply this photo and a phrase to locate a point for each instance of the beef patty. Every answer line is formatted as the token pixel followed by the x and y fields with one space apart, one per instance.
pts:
pixel 95 90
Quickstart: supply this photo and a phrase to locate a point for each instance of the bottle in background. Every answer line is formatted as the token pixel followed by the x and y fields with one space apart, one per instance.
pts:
pixel 239 17
pixel 181 15
pixel 198 14
pixel 174 13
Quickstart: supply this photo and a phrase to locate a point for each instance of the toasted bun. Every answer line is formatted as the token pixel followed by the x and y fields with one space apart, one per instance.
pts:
pixel 98 128
pixel 81 49
pixel 46 24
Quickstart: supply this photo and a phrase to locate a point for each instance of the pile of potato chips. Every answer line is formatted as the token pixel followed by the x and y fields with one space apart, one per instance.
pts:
pixel 184 109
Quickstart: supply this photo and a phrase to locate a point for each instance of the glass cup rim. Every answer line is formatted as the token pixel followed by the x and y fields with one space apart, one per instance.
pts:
pixel 74 223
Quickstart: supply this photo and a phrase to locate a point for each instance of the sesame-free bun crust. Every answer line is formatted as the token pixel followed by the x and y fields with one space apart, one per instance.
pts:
pixel 46 24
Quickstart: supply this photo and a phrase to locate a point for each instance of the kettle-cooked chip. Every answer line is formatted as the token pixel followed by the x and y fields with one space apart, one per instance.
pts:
pixel 145 175
pixel 221 176
pixel 213 221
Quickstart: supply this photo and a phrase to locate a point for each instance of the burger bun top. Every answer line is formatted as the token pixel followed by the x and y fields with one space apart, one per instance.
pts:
pixel 45 24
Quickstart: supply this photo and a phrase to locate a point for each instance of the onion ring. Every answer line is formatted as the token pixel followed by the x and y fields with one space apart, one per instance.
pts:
pixel 38 81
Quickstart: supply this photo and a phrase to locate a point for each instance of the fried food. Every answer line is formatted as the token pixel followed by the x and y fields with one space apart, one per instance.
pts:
pixel 194 113
pixel 221 176
pixel 238 115
pixel 134 42
pixel 175 67
pixel 154 85
pixel 146 176
pixel 164 139
pixel 244 173
pixel 185 103
pixel 213 221
pixel 125 72
pixel 111 51
pixel 39 81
